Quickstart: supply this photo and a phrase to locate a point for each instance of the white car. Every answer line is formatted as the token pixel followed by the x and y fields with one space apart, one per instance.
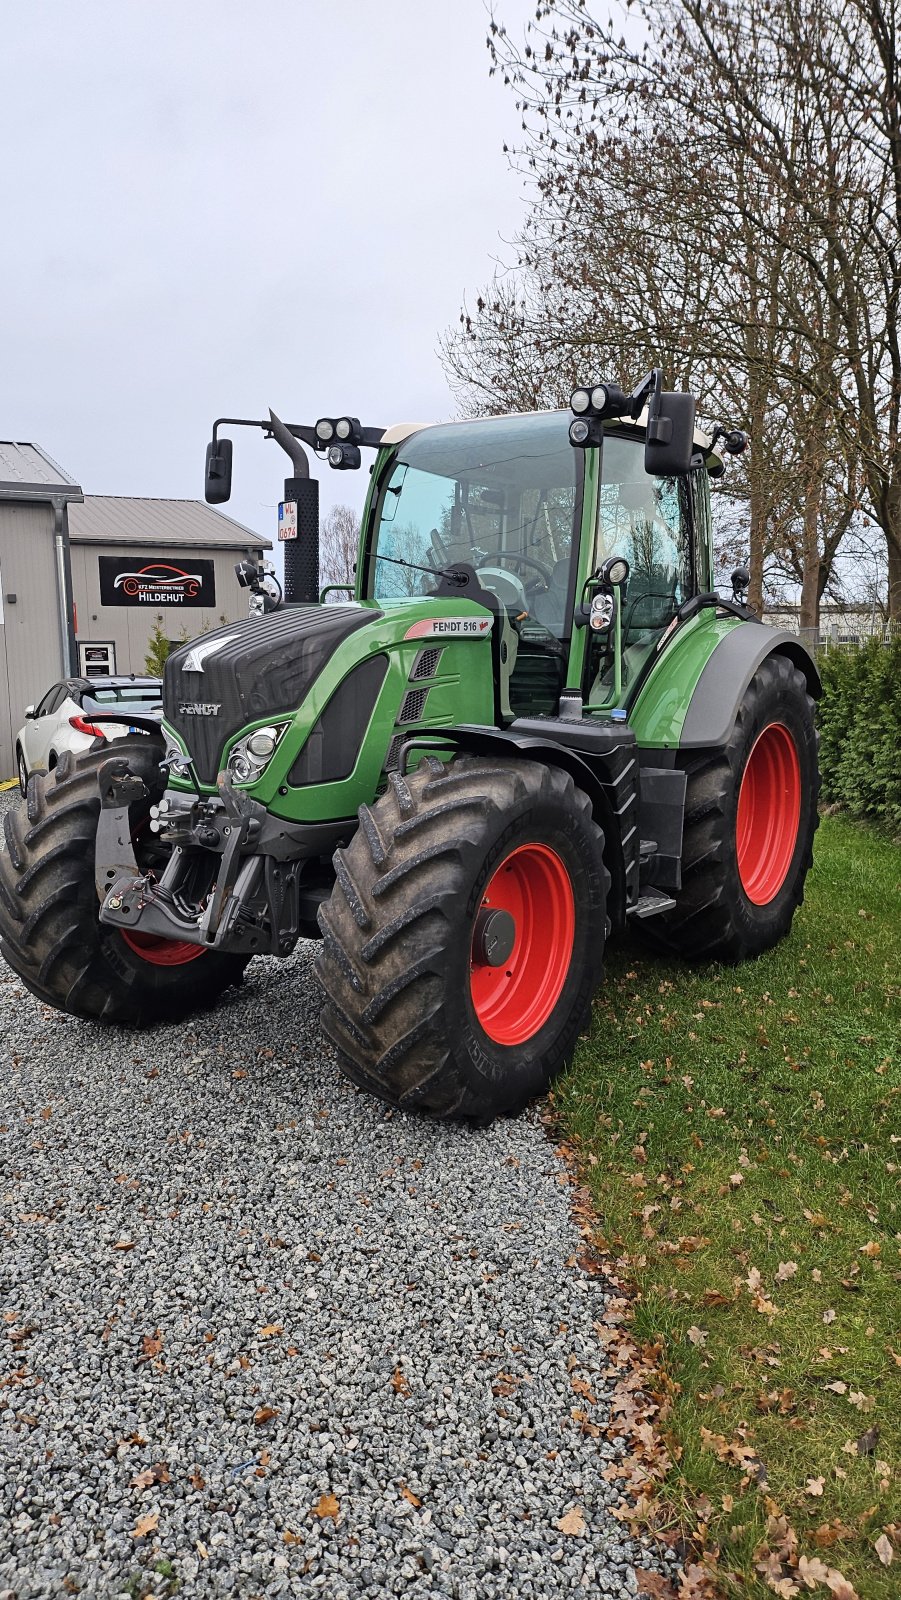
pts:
pixel 62 720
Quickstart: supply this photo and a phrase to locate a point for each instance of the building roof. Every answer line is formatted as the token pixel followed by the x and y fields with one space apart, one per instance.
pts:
pixel 126 519
pixel 26 471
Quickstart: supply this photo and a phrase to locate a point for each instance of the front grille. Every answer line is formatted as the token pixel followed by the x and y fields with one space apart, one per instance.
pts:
pixel 426 663
pixel 412 706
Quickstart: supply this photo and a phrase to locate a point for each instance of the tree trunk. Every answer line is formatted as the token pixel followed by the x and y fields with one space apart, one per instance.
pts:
pixel 891 527
pixel 810 556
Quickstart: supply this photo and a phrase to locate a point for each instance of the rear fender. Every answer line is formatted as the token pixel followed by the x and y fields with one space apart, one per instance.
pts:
pixel 691 698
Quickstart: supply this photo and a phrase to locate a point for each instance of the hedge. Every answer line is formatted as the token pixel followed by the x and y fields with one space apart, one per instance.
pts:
pixel 860 731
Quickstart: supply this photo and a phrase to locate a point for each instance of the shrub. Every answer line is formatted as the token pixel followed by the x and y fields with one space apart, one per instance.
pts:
pixel 860 731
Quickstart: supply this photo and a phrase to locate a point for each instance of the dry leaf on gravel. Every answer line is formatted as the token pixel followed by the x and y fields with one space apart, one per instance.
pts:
pixel 145 1525
pixel 409 1495
pixel 326 1506
pixel 272 1330
pixel 264 1414
pixel 123 1244
pixel 573 1522
pixel 652 1587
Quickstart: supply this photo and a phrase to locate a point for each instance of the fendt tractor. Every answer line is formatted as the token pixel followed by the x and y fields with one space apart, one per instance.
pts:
pixel 528 724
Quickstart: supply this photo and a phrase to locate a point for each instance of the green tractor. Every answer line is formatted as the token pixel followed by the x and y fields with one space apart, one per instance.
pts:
pixel 531 723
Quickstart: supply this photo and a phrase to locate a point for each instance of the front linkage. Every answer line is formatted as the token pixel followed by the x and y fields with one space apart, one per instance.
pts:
pixel 234 879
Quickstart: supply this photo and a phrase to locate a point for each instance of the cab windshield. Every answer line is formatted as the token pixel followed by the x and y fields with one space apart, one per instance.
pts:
pixel 502 495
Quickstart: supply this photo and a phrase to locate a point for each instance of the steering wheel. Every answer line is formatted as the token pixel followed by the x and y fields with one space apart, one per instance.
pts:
pixel 505 556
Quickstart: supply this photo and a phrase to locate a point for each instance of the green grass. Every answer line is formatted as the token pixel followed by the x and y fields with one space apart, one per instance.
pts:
pixel 727 1121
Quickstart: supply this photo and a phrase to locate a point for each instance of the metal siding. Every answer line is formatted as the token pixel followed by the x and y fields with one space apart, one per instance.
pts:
pixel 121 520
pixel 30 627
pixel 130 627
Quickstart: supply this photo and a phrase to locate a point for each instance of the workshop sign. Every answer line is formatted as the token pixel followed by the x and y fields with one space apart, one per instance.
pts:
pixel 134 582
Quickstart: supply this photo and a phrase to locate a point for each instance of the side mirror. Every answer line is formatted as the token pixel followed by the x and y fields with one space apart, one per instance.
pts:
pixel 29 711
pixel 218 484
pixel 669 445
pixel 741 577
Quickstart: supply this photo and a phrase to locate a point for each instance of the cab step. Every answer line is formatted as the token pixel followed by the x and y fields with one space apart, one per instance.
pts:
pixel 651 903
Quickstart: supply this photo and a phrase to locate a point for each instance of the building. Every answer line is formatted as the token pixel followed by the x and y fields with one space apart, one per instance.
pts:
pixel 84 579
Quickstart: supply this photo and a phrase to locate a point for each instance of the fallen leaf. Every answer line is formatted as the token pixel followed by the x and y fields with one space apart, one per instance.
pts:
pixel 866 1444
pixel 326 1506
pixel 736 1179
pixel 124 1244
pixel 291 1538
pixel 872 1249
pixel 409 1495
pixel 715 1297
pixel 812 1570
pixel 145 1525
pixel 863 1402
pixel 573 1522
pixel 697 1336
pixel 786 1270
pixel 815 1486
pixel 272 1330
pixel 264 1414
pixel 837 1386
pixel 142 1480
pixel 151 1344
pixel 884 1550
pixel 829 1316
pixel 197 1480
pixel 399 1383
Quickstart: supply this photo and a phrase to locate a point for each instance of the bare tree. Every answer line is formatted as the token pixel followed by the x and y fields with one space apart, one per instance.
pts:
pixel 339 543
pixel 793 127
pixel 705 199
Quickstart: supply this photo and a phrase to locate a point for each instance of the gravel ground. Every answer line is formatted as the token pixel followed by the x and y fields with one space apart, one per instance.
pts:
pixel 263 1337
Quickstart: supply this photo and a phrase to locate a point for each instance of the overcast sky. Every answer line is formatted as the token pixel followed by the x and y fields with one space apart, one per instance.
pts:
pixel 211 207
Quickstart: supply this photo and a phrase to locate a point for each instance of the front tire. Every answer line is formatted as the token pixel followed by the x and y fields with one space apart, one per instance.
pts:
pixel 750 818
pixel 50 928
pixel 464 938
pixel 22 770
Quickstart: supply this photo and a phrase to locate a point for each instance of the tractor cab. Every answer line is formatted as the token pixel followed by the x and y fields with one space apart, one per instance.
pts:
pixel 504 510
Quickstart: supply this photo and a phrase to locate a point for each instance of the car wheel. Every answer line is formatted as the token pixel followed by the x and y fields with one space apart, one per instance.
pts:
pixel 22 769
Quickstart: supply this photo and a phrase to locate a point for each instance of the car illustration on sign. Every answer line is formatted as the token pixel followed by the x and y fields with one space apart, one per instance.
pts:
pixel 160 576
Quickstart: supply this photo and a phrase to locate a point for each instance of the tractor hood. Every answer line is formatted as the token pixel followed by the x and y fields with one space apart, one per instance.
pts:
pixel 263 667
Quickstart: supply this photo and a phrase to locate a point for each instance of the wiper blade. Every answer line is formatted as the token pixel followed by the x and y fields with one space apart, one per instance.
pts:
pixel 455 575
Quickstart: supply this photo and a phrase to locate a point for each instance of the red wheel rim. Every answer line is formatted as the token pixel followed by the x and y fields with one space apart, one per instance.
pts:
pixel 514 1000
pixel 769 809
pixel 162 952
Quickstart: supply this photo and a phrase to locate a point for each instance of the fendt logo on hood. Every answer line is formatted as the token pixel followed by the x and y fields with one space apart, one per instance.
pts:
pixel 199 708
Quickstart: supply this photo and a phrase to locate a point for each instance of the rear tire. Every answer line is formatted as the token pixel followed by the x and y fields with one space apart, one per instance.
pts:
pixel 750 818
pixel 464 938
pixel 50 929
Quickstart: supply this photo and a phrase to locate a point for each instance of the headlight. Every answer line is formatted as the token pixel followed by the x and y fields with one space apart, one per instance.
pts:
pixel 250 756
pixel 175 758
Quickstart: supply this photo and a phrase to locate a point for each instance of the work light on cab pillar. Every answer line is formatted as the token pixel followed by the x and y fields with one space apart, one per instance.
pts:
pixel 531 723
